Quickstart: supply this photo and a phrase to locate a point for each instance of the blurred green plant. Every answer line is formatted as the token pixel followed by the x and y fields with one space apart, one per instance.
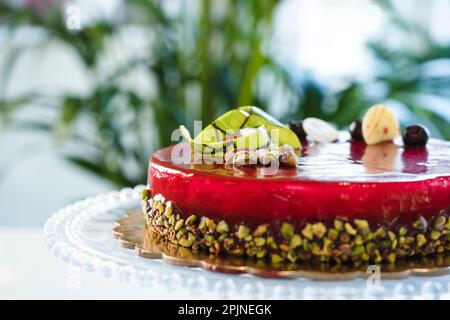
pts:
pixel 211 56
pixel 217 52
pixel 417 74
pixel 406 77
pixel 416 80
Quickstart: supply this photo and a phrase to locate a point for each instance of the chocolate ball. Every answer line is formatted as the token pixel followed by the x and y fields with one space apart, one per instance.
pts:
pixel 355 130
pixel 297 127
pixel 415 136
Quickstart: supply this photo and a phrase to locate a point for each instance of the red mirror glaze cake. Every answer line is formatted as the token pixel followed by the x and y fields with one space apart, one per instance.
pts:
pixel 345 201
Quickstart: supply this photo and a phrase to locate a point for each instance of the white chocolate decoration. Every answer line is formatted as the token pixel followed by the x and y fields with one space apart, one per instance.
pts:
pixel 379 124
pixel 319 130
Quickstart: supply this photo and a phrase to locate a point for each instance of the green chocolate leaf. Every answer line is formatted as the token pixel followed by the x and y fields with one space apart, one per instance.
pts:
pixel 252 127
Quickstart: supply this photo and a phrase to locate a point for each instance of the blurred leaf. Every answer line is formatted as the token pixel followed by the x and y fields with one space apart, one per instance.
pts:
pixel 7 106
pixel 70 110
pixel 32 125
pixel 350 103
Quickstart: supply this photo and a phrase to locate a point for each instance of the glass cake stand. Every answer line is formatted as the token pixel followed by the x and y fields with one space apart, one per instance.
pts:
pixel 81 235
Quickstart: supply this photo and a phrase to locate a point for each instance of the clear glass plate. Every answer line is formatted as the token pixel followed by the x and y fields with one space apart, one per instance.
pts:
pixel 81 234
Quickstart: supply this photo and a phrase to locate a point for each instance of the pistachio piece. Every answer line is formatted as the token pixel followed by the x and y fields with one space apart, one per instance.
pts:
pixel 296 241
pixel 237 251
pixel 368 236
pixel 191 219
pixel 159 207
pixel 276 258
pixel 394 244
pixel 421 224
pixel 211 225
pixel 223 236
pixel 185 242
pixel 265 156
pixel 421 240
pixel 202 225
pixel 259 241
pixel 288 156
pixel 402 231
pixel 144 194
pixel 409 240
pixel 209 240
pixel 345 248
pixel 271 242
pixel 435 234
pixel 181 233
pixel 228 243
pixel 319 230
pixel 179 224
pixel 316 249
pixel 440 223
pixel 344 238
pixel 447 225
pixel 287 231
pixel 349 228
pixel 378 257
pixel 391 257
pixel 333 234
pixel 365 257
pixel 307 232
pixel 261 253
pixel 217 246
pixel 168 211
pixel 245 158
pixel 338 225
pixel 358 250
pixel 222 227
pixel 291 256
pixel 358 240
pixel 242 232
pixel 379 233
pixel 391 235
pixel 362 225
pixel 284 246
pixel 261 230
pixel 370 248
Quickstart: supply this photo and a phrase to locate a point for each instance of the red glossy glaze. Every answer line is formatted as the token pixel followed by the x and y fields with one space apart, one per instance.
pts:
pixel 378 183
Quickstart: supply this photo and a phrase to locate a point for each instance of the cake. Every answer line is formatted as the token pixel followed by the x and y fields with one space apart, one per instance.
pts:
pixel 345 201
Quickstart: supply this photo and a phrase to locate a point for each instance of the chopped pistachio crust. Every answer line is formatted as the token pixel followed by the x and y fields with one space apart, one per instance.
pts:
pixel 340 242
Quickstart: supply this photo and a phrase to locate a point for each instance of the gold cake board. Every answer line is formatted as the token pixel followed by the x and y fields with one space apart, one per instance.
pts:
pixel 130 231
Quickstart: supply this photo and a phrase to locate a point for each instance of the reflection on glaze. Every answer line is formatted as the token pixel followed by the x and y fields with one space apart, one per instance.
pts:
pixel 415 160
pixel 347 161
pixel 380 158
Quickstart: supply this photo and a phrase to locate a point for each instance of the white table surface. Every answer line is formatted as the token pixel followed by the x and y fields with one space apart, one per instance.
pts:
pixel 29 271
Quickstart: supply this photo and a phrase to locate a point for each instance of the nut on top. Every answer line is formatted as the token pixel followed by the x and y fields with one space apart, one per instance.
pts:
pixel 379 125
